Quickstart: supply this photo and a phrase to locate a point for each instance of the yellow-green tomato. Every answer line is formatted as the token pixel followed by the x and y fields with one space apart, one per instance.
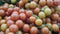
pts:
pixel 3 27
pixel 19 32
pixel 47 11
pixel 38 22
pixel 27 6
pixel 13 1
pixel 41 15
pixel 58 8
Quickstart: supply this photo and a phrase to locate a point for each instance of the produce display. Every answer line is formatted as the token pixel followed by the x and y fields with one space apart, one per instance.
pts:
pixel 29 16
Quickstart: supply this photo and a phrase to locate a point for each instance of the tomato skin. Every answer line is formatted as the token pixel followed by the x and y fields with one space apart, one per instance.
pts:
pixel 22 16
pixel 20 23
pixel 33 30
pixel 32 19
pixel 10 33
pixel 26 28
pixel 2 13
pixel 13 28
pixel 7 31
pixel 16 9
pixel 29 13
pixel 25 1
pixel 10 22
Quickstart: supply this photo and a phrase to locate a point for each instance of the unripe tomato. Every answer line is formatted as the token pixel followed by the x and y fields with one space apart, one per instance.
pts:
pixel 45 30
pixel 38 22
pixel 27 6
pixel 25 1
pixel 55 28
pixel 1 32
pixel 41 15
pixel 13 1
pixel 11 6
pixel 26 28
pixel 58 8
pixel 19 32
pixel 32 19
pixel 13 28
pixel 20 23
pixel 42 2
pixel 34 30
pixel 3 27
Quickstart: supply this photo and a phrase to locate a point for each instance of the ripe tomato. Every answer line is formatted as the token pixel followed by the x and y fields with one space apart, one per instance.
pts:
pixel 45 30
pixel 29 13
pixel 7 31
pixel 20 23
pixel 36 0
pixel 27 6
pixel 48 20
pixel 42 2
pixel 25 1
pixel 26 28
pixel 2 13
pixel 32 19
pixel 16 8
pixel 13 28
pixel 11 6
pixel 34 30
pixel 19 32
pixel 22 16
pixel 38 22
pixel 10 22
pixel 10 33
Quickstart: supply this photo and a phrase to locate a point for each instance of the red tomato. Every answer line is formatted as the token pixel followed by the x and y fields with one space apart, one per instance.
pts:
pixel 10 22
pixel 7 31
pixel 13 28
pixel 34 30
pixel 29 13
pixel 26 28
pixel 20 23
pixel 10 33
pixel 25 1
pixel 2 13
pixel 32 19
pixel 16 8
pixel 50 2
pixel 22 16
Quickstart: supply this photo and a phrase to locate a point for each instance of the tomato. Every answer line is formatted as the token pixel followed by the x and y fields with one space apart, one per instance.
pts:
pixel 3 27
pixel 55 28
pixel 13 28
pixel 26 28
pixel 45 30
pixel 27 6
pixel 36 0
pixel 22 16
pixel 54 22
pixel 33 5
pixel 55 16
pixel 58 20
pixel 48 20
pixel 42 2
pixel 29 13
pixel 2 22
pixel 2 13
pixel 25 1
pixel 15 16
pixel 0 18
pixel 7 18
pixel 38 22
pixel 1 7
pixel 13 1
pixel 10 33
pixel 16 8
pixel 32 19
pixel 41 15
pixel 10 22
pixel 20 23
pixel 19 32
pixel 50 2
pixel 1 32
pixel 58 8
pixel 7 31
pixel 11 6
pixel 47 11
pixel 36 11
pixel 34 30
pixel 21 4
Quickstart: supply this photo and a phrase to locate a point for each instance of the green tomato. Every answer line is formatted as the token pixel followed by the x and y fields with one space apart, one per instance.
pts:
pixel 13 1
pixel 58 8
pixel 47 11
pixel 41 15
pixel 45 7
pixel 38 22
pixel 19 32
pixel 3 27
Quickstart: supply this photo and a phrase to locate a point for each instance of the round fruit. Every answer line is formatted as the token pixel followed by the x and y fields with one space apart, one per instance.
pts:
pixel 33 5
pixel 29 13
pixel 36 0
pixel 10 33
pixel 25 1
pixel 16 8
pixel 11 6
pixel 1 32
pixel 47 11
pixel 19 23
pixel 48 20
pixel 42 2
pixel 2 12
pixel 13 28
pixel 38 22
pixel 32 19
pixel 0 18
pixel 3 27
pixel 41 15
pixel 55 28
pixel 22 16
pixel 19 32
pixel 45 30
pixel 55 16
pixel 10 22
pixel 15 16
pixel 27 6
pixel 13 1
pixel 34 30
pixel 8 18
pixel 58 8
pixel 58 20
pixel 7 31
pixel 50 2
pixel 36 11
pixel 26 28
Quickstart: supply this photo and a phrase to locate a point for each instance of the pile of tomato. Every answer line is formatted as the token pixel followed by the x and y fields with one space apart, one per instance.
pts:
pixel 30 17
